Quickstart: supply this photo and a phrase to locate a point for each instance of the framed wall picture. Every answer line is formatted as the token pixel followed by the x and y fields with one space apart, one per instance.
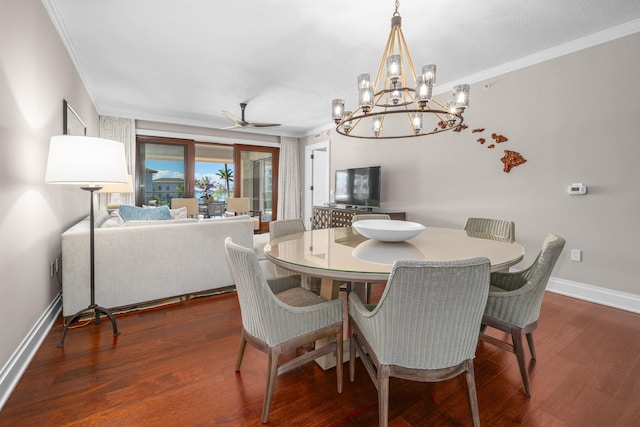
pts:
pixel 72 124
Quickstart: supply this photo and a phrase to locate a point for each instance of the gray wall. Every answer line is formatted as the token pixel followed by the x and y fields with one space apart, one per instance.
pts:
pixel 36 74
pixel 574 119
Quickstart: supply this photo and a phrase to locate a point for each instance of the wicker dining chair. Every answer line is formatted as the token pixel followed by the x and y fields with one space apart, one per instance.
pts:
pixel 514 302
pixel 488 228
pixel 425 327
pixel 279 316
pixel 287 227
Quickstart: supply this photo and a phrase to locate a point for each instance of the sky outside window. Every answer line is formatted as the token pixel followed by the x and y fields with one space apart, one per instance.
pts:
pixel 175 169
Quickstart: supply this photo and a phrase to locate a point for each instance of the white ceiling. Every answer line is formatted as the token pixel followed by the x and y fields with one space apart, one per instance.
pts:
pixel 185 61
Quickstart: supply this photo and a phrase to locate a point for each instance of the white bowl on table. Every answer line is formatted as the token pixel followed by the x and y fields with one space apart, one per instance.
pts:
pixel 388 230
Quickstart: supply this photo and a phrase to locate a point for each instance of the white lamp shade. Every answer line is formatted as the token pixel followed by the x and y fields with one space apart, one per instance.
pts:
pixel 84 160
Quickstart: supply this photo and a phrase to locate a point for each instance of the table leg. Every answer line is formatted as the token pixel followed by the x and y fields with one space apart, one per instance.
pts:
pixel 329 290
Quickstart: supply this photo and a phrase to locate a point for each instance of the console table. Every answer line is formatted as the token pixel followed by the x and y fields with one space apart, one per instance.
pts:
pixel 326 217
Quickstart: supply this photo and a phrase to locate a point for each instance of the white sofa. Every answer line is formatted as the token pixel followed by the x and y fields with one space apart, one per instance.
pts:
pixel 142 261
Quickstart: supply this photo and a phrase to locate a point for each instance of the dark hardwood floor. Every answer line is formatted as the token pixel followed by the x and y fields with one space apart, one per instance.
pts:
pixel 175 366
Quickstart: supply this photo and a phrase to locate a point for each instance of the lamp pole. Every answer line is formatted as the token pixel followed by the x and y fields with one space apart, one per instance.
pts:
pixel 93 307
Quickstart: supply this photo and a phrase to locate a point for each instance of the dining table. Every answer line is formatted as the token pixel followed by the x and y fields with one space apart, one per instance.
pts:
pixel 339 255
pixel 343 255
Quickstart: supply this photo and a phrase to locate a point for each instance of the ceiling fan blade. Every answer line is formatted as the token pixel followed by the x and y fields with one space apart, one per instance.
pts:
pixel 235 119
pixel 232 126
pixel 264 125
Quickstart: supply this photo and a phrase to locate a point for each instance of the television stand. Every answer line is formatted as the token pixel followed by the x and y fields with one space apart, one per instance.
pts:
pixel 332 217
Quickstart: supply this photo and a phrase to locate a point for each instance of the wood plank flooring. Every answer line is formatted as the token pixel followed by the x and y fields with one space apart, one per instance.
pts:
pixel 174 366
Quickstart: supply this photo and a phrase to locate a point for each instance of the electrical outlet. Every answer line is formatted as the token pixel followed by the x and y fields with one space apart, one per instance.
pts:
pixel 576 255
pixel 57 262
pixel 52 268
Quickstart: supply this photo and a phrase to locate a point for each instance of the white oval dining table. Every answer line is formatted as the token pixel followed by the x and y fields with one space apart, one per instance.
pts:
pixel 343 254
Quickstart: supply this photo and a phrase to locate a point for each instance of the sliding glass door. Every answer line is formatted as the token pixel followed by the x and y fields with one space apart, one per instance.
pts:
pixel 257 178
pixel 169 168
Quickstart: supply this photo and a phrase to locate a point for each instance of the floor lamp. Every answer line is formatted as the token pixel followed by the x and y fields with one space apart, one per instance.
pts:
pixel 88 162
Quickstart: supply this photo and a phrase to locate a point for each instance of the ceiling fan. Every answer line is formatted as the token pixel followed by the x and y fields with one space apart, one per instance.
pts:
pixel 241 122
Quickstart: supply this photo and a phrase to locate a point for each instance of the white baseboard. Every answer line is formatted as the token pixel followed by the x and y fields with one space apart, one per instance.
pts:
pixel 609 297
pixel 18 362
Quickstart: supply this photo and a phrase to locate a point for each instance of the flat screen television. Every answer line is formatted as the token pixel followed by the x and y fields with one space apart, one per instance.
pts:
pixel 358 187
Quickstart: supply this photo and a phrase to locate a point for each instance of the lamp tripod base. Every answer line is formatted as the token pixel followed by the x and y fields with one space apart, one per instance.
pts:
pixel 96 309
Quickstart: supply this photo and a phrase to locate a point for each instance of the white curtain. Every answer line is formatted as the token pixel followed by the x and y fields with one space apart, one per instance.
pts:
pixel 289 179
pixel 123 130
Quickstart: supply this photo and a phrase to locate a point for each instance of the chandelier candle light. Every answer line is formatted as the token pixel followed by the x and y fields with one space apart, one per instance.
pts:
pixel 391 94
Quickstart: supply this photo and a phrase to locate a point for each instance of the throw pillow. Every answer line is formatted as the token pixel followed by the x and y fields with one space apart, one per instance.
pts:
pixel 178 213
pixel 99 217
pixel 114 221
pixel 128 213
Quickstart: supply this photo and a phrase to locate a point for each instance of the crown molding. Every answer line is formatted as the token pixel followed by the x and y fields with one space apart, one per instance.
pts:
pixel 591 40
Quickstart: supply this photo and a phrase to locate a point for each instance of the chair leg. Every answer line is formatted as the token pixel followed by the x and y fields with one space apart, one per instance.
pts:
pixel 518 348
pixel 383 396
pixel 471 391
pixel 243 345
pixel 352 355
pixel 272 373
pixel 367 289
pixel 532 347
pixel 339 360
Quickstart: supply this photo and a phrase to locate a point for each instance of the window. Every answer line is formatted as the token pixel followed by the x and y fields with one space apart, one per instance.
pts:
pixel 162 168
pixel 214 171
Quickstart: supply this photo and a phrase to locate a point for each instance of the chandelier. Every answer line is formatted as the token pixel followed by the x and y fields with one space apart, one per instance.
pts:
pixel 397 90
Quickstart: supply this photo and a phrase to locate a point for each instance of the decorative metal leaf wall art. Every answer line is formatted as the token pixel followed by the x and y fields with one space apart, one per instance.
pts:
pixel 511 159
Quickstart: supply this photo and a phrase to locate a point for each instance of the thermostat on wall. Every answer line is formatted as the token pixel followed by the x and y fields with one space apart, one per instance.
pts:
pixel 577 189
